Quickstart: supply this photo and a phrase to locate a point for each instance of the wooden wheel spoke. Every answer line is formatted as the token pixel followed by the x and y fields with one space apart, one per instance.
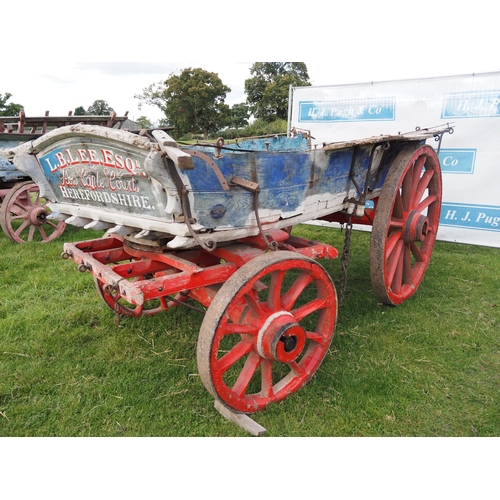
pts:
pixel 392 240
pixel 21 228
pixel 251 364
pixel 274 297
pixel 296 368
pixel 407 190
pixel 41 229
pixel 19 209
pixel 253 303
pixel 422 186
pixel 407 266
pixel 417 169
pixel 238 328
pixel 394 262
pixel 31 232
pixel 303 311
pixel 398 211
pixel 315 337
pixel 416 252
pixel 293 293
pixel 241 349
pixel 267 378
pixel 426 203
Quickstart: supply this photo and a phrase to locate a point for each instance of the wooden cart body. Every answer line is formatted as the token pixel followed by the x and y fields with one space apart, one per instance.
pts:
pixel 23 216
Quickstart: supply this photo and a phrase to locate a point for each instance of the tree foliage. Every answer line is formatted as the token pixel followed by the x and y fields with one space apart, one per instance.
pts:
pixel 144 122
pixel 239 115
pixel 192 101
pixel 80 111
pixel 268 88
pixel 99 108
pixel 10 109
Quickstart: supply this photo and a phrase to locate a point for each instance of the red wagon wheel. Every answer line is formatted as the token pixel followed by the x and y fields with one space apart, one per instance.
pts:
pixel 23 215
pixel 267 331
pixel 405 225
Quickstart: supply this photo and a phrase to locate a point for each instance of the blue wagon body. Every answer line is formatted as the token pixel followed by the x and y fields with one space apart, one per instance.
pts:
pixel 151 188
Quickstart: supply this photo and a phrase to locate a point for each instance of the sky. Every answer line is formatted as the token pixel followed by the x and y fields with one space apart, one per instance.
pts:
pixel 355 42
pixel 81 83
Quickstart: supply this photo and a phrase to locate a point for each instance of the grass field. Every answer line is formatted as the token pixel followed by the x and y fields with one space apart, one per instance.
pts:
pixel 430 367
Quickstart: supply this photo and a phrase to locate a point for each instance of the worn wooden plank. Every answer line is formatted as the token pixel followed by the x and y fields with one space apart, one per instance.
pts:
pixel 240 419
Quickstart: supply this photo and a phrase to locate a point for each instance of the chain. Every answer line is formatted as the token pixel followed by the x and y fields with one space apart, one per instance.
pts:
pixel 345 261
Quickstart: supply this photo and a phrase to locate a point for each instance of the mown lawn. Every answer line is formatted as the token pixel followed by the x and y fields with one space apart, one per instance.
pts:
pixel 430 367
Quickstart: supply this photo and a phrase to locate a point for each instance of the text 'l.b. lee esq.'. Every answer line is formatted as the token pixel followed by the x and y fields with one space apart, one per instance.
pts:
pixel 96 175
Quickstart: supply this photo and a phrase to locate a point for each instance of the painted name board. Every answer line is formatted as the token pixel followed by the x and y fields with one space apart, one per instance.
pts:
pixel 480 104
pixel 99 175
pixel 348 110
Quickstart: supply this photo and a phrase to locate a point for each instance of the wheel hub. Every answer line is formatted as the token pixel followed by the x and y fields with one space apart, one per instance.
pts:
pixel 281 338
pixel 37 216
pixel 416 227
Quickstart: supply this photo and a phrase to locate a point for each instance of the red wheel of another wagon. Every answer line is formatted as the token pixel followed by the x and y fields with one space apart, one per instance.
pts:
pixel 267 331
pixel 23 215
pixel 405 225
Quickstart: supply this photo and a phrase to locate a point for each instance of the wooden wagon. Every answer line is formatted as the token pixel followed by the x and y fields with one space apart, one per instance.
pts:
pixel 212 223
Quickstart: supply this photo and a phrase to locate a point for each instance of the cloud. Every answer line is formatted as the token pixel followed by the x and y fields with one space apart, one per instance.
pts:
pixel 128 68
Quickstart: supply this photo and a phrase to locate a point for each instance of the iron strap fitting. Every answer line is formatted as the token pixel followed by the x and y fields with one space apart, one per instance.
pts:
pixel 254 188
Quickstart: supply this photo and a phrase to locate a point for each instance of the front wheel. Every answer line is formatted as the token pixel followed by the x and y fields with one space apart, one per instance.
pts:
pixel 267 331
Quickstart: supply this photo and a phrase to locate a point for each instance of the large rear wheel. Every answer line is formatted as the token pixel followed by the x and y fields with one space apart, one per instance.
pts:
pixel 405 225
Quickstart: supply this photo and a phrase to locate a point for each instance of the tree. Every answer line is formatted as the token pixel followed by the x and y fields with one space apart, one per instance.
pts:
pixel 144 122
pixel 10 109
pixel 99 108
pixel 239 115
pixel 192 101
pixel 268 89
pixel 80 111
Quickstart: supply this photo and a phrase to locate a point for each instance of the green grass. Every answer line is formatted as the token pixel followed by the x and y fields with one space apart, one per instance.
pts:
pixel 430 367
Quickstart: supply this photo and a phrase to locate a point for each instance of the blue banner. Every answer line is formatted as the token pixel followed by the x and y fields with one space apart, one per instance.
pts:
pixel 457 161
pixel 483 217
pixel 472 104
pixel 348 111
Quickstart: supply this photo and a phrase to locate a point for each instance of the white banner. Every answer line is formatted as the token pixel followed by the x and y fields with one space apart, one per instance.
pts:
pixel 470 157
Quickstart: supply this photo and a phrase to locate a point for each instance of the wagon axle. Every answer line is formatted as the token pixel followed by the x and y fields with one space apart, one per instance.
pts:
pixel 416 227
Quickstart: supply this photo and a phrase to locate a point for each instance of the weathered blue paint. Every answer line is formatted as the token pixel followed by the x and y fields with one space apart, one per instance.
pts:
pixel 9 173
pixel 285 178
pixel 117 177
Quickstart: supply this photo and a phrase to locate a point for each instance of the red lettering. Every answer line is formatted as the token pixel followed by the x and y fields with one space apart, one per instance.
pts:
pixel 82 153
pixel 108 157
pixel 129 165
pixel 119 162
pixel 93 157
pixel 72 161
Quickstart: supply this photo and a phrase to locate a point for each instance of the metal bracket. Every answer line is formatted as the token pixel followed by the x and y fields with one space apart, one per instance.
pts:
pixel 254 188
